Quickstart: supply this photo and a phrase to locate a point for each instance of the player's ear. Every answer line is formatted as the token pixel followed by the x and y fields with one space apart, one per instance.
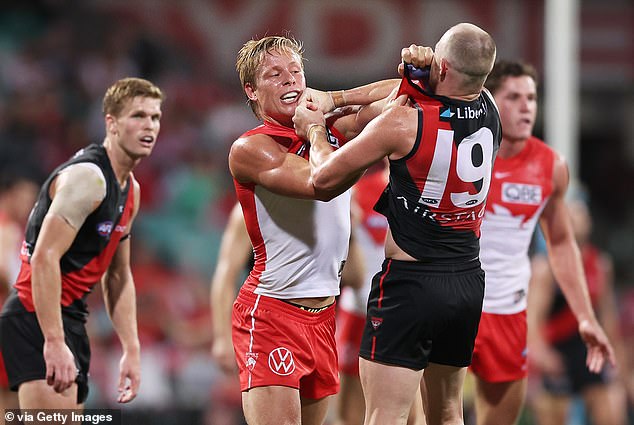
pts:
pixel 443 69
pixel 111 124
pixel 250 91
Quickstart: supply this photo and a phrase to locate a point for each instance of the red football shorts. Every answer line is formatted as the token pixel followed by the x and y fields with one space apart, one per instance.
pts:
pixel 500 353
pixel 349 332
pixel 277 343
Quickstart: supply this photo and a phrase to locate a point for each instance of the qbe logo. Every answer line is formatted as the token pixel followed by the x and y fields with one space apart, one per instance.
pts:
pixel 281 361
pixel 517 193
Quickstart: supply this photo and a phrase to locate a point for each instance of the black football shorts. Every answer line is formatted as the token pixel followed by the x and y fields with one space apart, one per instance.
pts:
pixel 421 312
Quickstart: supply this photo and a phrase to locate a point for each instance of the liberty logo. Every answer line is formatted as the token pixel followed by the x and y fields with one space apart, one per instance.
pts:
pixel 376 322
pixel 281 361
pixel 251 358
pixel 470 113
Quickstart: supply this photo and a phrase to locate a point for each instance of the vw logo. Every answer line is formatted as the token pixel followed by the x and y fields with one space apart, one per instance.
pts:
pixel 281 361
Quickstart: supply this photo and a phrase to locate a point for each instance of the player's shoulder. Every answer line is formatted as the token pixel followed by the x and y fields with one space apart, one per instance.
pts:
pixel 88 174
pixel 253 144
pixel 251 153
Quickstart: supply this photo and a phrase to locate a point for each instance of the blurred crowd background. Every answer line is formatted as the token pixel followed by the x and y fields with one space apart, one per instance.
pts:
pixel 57 57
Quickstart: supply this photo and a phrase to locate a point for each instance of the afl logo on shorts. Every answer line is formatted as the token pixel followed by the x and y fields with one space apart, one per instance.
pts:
pixel 281 361
pixel 376 322
pixel 104 228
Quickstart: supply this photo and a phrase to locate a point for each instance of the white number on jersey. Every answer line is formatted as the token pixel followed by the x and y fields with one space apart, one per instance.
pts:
pixel 466 170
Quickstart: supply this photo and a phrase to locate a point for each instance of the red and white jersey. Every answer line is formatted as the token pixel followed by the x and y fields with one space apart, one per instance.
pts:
pixel 520 188
pixel 300 245
pixel 370 235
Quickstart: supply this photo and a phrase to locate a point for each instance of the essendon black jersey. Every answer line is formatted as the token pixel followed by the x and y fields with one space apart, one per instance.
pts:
pixel 92 250
pixel 435 200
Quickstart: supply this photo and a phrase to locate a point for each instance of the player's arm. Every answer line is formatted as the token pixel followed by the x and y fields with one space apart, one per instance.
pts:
pixel 350 125
pixel 355 266
pixel 390 134
pixel 382 130
pixel 76 192
pixel 540 298
pixel 565 260
pixel 375 97
pixel 419 56
pixel 235 249
pixel 328 101
pixel 120 299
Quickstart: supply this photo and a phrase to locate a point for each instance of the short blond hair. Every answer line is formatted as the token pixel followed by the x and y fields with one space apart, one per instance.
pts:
pixel 126 89
pixel 251 56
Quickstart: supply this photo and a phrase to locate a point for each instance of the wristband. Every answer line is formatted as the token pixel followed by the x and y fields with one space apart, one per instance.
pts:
pixel 338 98
pixel 313 128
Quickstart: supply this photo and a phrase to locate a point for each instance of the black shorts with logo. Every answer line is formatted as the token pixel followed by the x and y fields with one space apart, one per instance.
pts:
pixel 420 313
pixel 22 344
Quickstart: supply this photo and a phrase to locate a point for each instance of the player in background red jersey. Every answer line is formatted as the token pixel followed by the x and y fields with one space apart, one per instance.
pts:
pixel 528 185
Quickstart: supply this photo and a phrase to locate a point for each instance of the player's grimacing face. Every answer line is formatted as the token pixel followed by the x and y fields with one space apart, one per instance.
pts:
pixel 517 101
pixel 280 84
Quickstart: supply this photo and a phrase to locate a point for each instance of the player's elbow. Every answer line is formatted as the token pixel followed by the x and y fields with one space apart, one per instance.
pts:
pixel 44 259
pixel 325 187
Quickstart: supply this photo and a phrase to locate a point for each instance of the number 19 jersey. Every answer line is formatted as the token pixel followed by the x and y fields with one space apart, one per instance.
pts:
pixel 436 196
